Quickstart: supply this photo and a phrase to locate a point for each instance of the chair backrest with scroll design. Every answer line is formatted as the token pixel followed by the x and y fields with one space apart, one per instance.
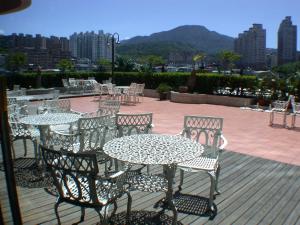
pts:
pixel 128 124
pixel 73 174
pixel 205 130
pixel 92 132
pixel 108 107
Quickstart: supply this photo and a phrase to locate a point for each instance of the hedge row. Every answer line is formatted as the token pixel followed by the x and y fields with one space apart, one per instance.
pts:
pixel 205 83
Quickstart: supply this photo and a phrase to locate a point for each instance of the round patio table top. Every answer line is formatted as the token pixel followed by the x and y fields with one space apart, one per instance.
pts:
pixel 50 119
pixel 153 149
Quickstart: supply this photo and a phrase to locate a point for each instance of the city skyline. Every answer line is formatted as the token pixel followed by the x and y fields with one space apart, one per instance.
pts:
pixel 131 18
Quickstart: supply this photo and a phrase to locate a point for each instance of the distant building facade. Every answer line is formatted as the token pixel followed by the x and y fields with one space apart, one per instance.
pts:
pixel 90 45
pixel 287 42
pixel 251 45
pixel 40 51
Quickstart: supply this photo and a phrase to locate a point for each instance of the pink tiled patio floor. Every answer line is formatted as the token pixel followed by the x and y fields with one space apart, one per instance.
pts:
pixel 247 131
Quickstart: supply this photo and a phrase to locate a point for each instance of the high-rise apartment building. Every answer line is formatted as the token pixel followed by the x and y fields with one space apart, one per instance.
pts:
pixel 287 42
pixel 251 45
pixel 90 45
pixel 42 51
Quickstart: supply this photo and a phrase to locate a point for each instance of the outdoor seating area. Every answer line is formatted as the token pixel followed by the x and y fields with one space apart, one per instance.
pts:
pixel 104 155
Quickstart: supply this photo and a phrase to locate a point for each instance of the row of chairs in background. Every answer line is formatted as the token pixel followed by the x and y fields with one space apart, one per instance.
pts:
pixel 126 95
pixel 285 108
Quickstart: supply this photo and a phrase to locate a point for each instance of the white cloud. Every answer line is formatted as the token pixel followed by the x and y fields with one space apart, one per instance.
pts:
pixel 2 31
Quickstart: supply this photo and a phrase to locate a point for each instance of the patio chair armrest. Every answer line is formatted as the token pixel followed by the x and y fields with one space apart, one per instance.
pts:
pixel 77 112
pixel 225 142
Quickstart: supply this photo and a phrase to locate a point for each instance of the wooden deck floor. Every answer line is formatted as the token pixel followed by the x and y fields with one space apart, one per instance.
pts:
pixel 254 191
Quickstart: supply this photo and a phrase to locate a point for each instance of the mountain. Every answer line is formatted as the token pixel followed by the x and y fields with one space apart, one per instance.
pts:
pixel 184 39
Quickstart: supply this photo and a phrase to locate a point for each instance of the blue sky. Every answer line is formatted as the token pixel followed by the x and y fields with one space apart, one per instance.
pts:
pixel 143 17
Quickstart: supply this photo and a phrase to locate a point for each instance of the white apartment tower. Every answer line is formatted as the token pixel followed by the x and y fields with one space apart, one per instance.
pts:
pixel 90 45
pixel 287 42
pixel 251 45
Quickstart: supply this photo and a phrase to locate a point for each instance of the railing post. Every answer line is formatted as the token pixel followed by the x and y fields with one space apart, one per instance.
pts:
pixel 7 159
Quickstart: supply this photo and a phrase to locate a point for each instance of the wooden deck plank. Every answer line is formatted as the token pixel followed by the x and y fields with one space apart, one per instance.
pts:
pixel 243 192
pixel 240 216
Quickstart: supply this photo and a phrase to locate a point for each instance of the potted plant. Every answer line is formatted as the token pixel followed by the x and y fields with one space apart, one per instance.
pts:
pixel 163 89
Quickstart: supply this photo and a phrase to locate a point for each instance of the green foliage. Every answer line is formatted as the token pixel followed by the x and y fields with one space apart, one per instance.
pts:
pixel 227 59
pixel 287 69
pixel 15 61
pixel 104 65
pixel 65 65
pixel 124 63
pixel 161 48
pixel 163 88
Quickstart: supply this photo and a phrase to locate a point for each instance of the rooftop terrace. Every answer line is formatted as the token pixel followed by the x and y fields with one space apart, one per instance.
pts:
pixel 259 181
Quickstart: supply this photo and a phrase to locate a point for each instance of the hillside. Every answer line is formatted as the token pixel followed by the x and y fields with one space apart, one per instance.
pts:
pixel 184 39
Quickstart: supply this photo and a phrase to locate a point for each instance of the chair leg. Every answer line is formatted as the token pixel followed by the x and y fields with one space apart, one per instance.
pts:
pixel 181 179
pixel 217 180
pixel 58 201
pixel 115 208
pixel 271 118
pixel 212 190
pixel 284 120
pixel 129 203
pixel 25 147
pixel 293 121
pixel 100 216
pixel 82 214
pixel 13 149
pixel 36 153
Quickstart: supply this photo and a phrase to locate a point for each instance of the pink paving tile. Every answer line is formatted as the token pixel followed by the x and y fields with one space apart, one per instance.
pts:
pixel 247 131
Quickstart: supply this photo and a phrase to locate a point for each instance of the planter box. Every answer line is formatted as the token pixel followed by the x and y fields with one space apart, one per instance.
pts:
pixel 211 99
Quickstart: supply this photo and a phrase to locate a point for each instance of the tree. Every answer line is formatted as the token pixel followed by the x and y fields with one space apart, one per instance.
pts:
pixel 15 61
pixel 65 65
pixel 152 61
pixel 199 58
pixel 124 64
pixel 227 59
pixel 103 65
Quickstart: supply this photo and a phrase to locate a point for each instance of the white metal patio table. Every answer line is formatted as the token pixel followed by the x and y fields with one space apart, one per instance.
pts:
pixel 155 149
pixel 43 121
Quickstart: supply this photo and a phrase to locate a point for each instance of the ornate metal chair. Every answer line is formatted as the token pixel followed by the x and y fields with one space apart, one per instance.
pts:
pixel 207 131
pixel 128 124
pixel 21 131
pixel 140 91
pixel 108 107
pixel 296 111
pixel 91 135
pixel 76 178
pixel 130 95
pixel 280 107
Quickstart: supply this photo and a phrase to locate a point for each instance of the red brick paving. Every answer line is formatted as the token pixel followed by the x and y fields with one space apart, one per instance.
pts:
pixel 247 131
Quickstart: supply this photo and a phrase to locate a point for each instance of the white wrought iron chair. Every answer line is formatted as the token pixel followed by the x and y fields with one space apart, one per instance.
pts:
pixel 91 134
pixel 129 124
pixel 296 111
pixel 21 131
pixel 130 95
pixel 109 107
pixel 207 131
pixel 77 181
pixel 140 91
pixel 280 108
